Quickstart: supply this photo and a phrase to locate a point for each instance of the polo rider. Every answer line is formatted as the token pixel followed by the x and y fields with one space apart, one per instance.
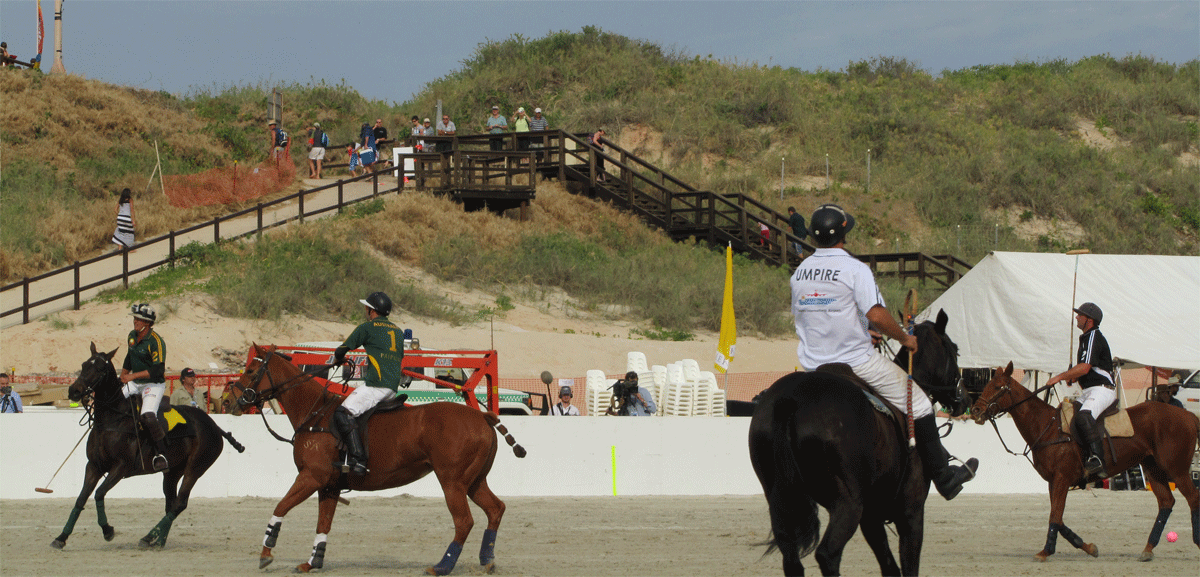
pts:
pixel 1094 373
pixel 834 297
pixel 144 372
pixel 384 345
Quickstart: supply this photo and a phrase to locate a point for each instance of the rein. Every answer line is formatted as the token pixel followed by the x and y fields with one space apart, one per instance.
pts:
pixel 1029 448
pixel 251 396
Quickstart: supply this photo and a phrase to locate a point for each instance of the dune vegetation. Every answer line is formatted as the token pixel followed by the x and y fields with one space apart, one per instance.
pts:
pixel 1101 153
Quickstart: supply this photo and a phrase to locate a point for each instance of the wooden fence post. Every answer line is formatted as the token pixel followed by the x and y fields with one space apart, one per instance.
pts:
pixel 25 296
pixel 76 285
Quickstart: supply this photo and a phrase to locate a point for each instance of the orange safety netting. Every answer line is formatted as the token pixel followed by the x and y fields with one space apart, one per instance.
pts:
pixel 231 184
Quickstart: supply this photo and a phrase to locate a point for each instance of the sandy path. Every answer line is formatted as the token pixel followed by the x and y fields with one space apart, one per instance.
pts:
pixel 143 255
pixel 973 535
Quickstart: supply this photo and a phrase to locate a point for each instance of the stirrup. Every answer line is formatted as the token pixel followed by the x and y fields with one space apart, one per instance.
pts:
pixel 159 463
pixel 1094 467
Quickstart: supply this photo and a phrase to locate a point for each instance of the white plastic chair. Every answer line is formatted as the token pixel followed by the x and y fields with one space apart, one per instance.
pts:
pixel 636 362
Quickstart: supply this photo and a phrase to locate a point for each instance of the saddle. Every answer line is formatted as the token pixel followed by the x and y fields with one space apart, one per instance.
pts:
pixel 878 403
pixel 394 404
pixel 1112 422
pixel 174 423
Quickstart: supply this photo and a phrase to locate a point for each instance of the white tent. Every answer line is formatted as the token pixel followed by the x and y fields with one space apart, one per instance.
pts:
pixel 1017 307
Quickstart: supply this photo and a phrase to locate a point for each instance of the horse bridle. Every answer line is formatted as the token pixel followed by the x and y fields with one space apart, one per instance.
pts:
pixel 990 406
pixel 252 396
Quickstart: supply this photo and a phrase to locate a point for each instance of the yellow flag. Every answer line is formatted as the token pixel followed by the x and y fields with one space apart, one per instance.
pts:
pixel 728 340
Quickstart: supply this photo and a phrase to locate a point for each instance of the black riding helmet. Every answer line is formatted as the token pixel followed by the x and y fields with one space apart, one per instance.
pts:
pixel 830 225
pixel 379 302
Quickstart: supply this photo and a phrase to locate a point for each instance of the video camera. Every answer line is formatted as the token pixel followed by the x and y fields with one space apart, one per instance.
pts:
pixel 625 390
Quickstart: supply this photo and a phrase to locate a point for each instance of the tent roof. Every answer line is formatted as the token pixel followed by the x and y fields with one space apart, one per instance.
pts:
pixel 1017 307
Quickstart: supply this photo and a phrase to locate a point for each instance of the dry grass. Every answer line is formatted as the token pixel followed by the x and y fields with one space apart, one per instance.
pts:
pixel 63 120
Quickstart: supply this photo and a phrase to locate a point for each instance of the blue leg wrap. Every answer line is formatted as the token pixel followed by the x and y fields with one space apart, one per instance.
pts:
pixel 1159 523
pixel 1051 539
pixel 449 560
pixel 487 551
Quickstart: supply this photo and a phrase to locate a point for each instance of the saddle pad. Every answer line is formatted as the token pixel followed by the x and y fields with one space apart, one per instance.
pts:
pixel 879 405
pixel 176 425
pixel 1117 424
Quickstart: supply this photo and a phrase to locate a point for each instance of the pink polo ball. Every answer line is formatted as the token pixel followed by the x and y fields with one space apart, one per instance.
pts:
pixel 1172 537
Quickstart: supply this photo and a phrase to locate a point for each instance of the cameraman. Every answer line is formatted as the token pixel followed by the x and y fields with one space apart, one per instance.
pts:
pixel 630 399
pixel 10 400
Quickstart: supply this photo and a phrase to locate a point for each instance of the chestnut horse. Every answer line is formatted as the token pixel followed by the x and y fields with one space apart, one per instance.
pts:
pixel 453 441
pixel 116 451
pixel 816 439
pixel 1163 443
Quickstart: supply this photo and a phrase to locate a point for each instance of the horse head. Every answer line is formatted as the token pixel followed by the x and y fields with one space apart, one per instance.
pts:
pixel 994 399
pixel 249 388
pixel 935 366
pixel 96 372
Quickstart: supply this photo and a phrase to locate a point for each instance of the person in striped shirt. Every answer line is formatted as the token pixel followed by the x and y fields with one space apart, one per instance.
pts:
pixel 123 236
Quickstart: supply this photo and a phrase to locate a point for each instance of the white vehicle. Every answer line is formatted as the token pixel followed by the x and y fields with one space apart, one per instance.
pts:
pixel 1189 393
pixel 420 391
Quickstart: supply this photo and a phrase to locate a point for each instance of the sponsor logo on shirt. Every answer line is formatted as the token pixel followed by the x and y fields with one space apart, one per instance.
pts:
pixel 816 298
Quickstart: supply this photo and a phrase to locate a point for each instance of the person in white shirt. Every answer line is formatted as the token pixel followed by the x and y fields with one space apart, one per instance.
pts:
pixel 564 408
pixel 835 301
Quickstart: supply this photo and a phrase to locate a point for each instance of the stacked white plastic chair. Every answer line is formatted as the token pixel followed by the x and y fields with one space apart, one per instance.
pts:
pixel 678 399
pixel 659 388
pixel 701 394
pixel 716 395
pixel 598 394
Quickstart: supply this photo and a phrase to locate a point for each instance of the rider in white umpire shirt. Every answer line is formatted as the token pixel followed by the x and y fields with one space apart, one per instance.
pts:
pixel 834 301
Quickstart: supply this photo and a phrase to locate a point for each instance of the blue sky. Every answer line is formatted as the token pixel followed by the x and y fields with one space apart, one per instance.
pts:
pixel 390 49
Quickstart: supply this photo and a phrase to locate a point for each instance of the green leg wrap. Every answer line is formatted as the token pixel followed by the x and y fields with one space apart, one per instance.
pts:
pixel 101 516
pixel 157 537
pixel 71 519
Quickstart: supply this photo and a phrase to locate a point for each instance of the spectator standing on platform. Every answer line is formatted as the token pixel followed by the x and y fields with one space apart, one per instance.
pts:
pixel 521 125
pixel 123 235
pixel 564 408
pixel 381 135
pixel 5 58
pixel 10 400
pixel 316 155
pixel 496 124
pixel 187 395
pixel 537 123
pixel 445 127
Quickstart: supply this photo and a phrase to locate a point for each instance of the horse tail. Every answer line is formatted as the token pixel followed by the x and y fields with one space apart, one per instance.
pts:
pixel 494 421
pixel 794 519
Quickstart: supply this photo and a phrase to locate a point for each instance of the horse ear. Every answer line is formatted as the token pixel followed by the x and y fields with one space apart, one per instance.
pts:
pixel 1008 370
pixel 94 352
pixel 113 353
pixel 942 320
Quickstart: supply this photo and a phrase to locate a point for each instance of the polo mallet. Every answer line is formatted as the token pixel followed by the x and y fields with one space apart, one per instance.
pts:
pixel 910 310
pixel 1071 330
pixel 47 489
pixel 548 378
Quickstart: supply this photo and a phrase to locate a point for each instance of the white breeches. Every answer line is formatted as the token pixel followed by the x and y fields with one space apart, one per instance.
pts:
pixel 891 382
pixel 152 394
pixel 1096 399
pixel 365 397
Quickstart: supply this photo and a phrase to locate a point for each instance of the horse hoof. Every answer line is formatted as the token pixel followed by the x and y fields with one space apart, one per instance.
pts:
pixel 1091 549
pixel 489 569
pixel 144 543
pixel 109 533
pixel 435 571
pixel 1041 556
pixel 57 544
pixel 264 561
pixel 302 568
pixel 1146 556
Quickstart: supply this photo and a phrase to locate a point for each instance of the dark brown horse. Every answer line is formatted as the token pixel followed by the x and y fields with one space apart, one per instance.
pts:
pixel 453 441
pixel 1164 440
pixel 115 449
pixel 816 439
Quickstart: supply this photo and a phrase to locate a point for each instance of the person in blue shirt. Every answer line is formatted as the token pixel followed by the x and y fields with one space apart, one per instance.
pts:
pixel 639 404
pixel 10 401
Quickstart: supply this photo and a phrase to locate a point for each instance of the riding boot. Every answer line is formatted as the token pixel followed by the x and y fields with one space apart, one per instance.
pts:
pixel 1093 464
pixel 355 455
pixel 947 478
pixel 150 422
